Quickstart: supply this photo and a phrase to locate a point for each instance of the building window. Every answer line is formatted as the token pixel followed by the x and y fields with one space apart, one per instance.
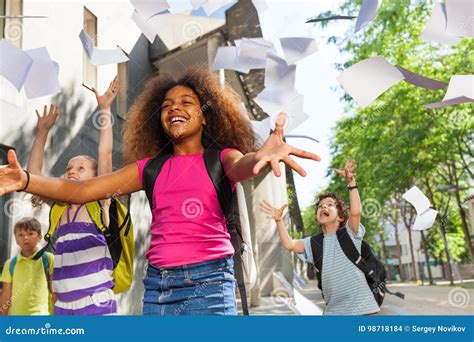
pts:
pixel 122 98
pixel 12 29
pixel 89 70
pixel 4 218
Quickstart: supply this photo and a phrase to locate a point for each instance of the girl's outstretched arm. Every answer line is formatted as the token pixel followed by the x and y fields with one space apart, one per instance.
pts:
pixel 239 167
pixel 290 244
pixel 43 125
pixel 121 182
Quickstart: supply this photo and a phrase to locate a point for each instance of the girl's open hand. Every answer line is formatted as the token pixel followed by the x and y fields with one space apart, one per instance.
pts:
pixel 275 150
pixel 12 177
pixel 48 119
pixel 105 101
pixel 275 213
pixel 348 172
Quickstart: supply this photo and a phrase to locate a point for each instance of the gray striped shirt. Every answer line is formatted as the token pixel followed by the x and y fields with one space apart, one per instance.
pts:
pixel 345 288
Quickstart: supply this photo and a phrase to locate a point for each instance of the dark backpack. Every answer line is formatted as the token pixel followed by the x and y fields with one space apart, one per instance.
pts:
pixel 227 200
pixel 366 261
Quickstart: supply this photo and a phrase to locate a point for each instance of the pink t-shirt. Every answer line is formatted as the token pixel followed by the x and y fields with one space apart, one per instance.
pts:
pixel 187 225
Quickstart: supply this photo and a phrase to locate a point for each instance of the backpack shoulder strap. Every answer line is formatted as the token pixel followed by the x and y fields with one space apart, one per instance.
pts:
pixel 12 265
pixel 44 258
pixel 317 249
pixel 55 213
pixel 351 251
pixel 215 169
pixel 94 209
pixel 150 173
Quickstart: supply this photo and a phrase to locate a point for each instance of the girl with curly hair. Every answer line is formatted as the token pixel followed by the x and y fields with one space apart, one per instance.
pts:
pixel 190 258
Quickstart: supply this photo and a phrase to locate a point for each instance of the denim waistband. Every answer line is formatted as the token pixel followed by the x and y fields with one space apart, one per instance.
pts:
pixel 206 266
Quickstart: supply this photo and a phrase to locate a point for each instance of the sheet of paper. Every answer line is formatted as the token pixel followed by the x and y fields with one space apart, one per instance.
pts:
pixel 149 8
pixel 274 99
pixel 262 129
pixel 179 6
pixel 425 220
pixel 460 90
pixel 417 199
pixel 368 79
pixel 295 115
pixel 367 13
pixel 42 78
pixel 460 18
pixel 196 4
pixel 297 48
pixel 212 6
pixel 101 56
pixel 256 48
pixel 260 5
pixel 421 81
pixel 278 73
pixel 148 27
pixel 15 64
pixel 333 17
pixel 435 29
pixel 227 58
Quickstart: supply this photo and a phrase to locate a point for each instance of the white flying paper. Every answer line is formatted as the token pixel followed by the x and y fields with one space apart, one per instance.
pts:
pixel 14 64
pixel 262 129
pixel 256 48
pixel 149 8
pixel 212 6
pixel 42 79
pixel 260 5
pixel 460 90
pixel 368 79
pixel 435 29
pixel 274 99
pixel 278 73
pixel 149 27
pixel 460 18
pixel 367 13
pixel 421 81
pixel 425 216
pixel 297 48
pixel 101 56
pixel 227 58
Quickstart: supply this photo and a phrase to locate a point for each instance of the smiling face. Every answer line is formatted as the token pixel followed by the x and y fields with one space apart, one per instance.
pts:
pixel 181 114
pixel 80 168
pixel 27 239
pixel 327 212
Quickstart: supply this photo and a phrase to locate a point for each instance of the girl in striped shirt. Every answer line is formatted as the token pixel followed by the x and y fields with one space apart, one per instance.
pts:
pixel 82 275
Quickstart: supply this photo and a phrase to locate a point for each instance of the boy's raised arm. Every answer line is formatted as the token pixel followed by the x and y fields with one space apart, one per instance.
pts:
pixel 355 206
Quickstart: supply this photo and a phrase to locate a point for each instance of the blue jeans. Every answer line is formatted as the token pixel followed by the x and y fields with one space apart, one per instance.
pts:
pixel 206 288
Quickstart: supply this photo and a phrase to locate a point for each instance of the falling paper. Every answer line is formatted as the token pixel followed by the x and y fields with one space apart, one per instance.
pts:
pixel 425 220
pixel 278 73
pixel 368 79
pixel 212 6
pixel 101 56
pixel 149 8
pixel 260 5
pixel 297 48
pixel 196 4
pixel 294 114
pixel 425 216
pixel 14 64
pixel 149 27
pixel 227 58
pixel 367 13
pixel 42 79
pixel 333 17
pixel 421 81
pixel 274 99
pixel 435 30
pixel 256 48
pixel 460 90
pixel 262 129
pixel 460 18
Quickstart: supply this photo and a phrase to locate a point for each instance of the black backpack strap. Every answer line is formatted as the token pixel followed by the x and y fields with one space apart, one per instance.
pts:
pixel 150 173
pixel 227 201
pixel 317 249
pixel 359 261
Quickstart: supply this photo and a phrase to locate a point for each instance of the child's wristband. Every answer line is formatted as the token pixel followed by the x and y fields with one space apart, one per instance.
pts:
pixel 27 181
pixel 352 187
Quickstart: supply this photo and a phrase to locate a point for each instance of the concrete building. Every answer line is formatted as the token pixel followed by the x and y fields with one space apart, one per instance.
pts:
pixel 184 41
